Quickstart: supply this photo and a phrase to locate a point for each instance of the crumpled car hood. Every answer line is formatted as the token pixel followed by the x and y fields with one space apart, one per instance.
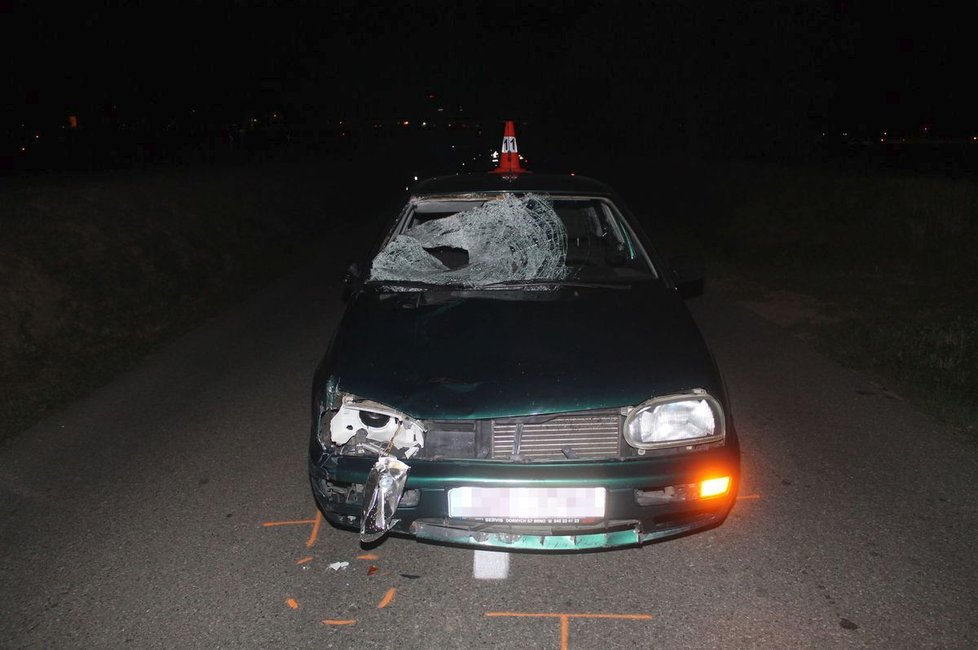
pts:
pixel 474 356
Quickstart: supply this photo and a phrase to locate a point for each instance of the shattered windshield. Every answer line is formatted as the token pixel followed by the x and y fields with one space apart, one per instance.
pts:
pixel 509 239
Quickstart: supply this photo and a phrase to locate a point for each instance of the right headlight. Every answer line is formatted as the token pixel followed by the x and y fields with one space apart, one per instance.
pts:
pixel 674 421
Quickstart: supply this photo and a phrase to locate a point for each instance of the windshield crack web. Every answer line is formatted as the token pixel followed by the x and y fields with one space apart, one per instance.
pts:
pixel 509 239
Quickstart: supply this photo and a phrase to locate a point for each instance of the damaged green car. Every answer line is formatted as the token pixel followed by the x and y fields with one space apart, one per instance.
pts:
pixel 516 369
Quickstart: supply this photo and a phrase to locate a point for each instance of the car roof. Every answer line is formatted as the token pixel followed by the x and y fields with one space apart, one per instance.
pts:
pixel 526 182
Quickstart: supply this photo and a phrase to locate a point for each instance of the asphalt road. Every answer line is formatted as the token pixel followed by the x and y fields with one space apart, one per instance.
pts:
pixel 137 517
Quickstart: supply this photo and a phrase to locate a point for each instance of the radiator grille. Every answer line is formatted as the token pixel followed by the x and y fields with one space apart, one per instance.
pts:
pixel 588 435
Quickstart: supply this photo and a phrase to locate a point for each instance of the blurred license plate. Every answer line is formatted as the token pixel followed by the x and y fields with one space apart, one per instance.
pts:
pixel 527 505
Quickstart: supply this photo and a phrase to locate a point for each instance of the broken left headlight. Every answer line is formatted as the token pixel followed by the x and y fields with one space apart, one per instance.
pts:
pixel 364 427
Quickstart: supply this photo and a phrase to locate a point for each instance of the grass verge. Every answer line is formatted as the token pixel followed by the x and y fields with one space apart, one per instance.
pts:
pixel 98 270
pixel 889 261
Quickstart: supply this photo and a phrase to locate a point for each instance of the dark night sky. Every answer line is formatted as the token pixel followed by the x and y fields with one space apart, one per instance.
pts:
pixel 696 67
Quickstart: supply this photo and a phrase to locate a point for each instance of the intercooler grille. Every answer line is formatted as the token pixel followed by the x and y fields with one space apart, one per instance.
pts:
pixel 585 435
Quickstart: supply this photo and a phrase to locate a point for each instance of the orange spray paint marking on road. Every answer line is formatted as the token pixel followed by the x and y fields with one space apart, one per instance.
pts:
pixel 339 621
pixel 625 617
pixel 388 597
pixel 291 602
pixel 315 521
pixel 315 529
pixel 304 560
pixel 294 522
pixel 368 556
pixel 565 620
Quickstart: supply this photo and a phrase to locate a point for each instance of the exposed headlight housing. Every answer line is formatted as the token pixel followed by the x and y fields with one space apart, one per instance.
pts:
pixel 368 426
pixel 675 421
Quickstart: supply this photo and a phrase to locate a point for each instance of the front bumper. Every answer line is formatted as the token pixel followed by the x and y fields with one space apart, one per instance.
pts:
pixel 638 506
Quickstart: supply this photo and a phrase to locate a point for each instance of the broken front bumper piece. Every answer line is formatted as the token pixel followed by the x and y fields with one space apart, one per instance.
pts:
pixel 381 495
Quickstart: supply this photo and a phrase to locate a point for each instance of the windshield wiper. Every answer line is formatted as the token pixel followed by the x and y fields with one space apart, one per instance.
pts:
pixel 505 284
pixel 412 284
pixel 517 284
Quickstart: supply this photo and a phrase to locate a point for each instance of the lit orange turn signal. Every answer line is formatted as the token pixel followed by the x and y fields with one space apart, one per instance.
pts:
pixel 714 487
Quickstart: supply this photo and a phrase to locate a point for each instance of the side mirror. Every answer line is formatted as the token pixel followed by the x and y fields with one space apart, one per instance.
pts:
pixel 688 275
pixel 352 280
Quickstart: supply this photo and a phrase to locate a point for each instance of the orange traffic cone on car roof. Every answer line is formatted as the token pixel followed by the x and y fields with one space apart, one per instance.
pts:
pixel 509 156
